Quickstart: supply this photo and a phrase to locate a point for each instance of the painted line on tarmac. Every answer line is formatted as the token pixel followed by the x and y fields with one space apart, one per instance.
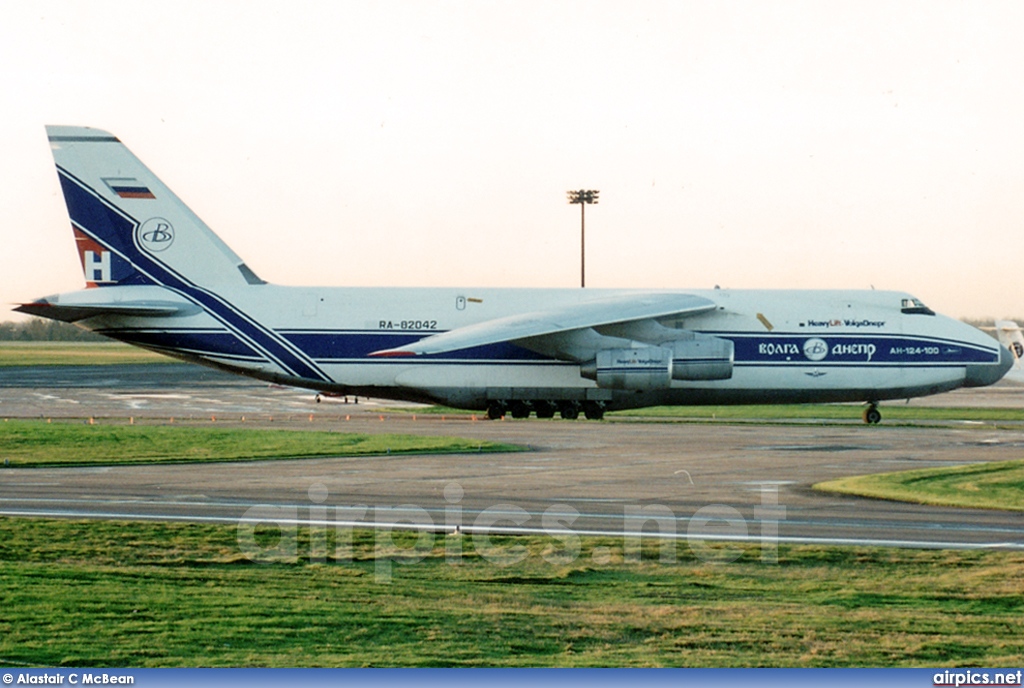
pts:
pixel 520 530
pixel 440 511
pixel 502 509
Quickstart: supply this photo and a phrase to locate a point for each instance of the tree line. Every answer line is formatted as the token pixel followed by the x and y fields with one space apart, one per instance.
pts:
pixel 40 330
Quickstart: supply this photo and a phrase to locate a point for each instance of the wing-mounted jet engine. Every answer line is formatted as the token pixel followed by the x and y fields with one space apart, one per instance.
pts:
pixel 701 357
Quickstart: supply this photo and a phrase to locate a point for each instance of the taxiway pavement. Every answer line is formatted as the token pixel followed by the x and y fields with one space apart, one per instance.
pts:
pixel 716 480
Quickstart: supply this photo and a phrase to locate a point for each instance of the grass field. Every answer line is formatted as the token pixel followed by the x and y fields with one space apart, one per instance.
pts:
pixel 37 443
pixel 997 485
pixel 105 593
pixel 75 353
pixel 148 594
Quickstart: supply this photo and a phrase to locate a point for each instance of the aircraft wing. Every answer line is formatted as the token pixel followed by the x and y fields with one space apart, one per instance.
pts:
pixel 619 310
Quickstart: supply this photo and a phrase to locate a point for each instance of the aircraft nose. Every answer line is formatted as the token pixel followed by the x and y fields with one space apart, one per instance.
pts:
pixel 980 375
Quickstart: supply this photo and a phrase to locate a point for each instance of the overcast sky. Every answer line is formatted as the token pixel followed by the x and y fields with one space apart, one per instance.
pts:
pixel 746 144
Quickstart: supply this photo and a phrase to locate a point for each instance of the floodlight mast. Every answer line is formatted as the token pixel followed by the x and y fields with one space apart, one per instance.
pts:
pixel 583 197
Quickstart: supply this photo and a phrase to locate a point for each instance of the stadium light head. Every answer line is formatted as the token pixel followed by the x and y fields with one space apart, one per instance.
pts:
pixel 588 196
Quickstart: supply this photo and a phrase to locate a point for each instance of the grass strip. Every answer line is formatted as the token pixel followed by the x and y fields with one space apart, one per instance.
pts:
pixel 76 353
pixel 37 443
pixel 149 594
pixel 825 412
pixel 993 485
pixel 784 412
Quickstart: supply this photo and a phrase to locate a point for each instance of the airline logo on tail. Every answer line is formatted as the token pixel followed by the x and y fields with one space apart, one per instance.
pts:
pixel 155 234
pixel 1009 334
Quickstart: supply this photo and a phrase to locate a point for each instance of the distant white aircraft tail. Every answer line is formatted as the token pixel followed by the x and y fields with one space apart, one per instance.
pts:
pixel 1009 334
pixel 131 229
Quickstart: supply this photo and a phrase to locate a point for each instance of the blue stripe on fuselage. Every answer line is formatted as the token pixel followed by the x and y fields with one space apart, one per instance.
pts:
pixel 780 349
pixel 352 346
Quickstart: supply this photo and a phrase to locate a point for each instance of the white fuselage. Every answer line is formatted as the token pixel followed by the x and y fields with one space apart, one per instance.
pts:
pixel 790 346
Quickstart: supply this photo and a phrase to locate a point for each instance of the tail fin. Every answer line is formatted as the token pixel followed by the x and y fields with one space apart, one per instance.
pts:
pixel 129 227
pixel 1010 336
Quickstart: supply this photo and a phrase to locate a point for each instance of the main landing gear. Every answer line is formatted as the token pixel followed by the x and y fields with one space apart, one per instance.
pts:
pixel 568 410
pixel 871 415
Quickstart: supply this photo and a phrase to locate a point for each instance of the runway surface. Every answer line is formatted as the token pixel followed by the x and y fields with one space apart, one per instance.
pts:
pixel 711 480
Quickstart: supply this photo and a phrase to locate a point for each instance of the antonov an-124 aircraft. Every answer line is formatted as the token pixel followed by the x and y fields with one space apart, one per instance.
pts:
pixel 158 277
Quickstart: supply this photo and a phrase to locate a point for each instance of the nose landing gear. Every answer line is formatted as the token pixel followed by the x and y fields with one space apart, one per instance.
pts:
pixel 871 415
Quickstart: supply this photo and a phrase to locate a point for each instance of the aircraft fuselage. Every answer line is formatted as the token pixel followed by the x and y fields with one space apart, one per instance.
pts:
pixel 789 346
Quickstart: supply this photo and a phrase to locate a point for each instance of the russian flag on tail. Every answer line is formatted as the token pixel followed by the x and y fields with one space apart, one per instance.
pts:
pixel 126 187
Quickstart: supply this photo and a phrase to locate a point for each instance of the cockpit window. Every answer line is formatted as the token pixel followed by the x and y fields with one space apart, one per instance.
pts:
pixel 915 307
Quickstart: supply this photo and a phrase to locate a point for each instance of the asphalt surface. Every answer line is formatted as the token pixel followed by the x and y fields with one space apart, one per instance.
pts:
pixel 714 481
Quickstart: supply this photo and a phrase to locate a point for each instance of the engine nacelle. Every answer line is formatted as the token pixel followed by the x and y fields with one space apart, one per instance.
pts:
pixel 654 367
pixel 702 358
pixel 644 367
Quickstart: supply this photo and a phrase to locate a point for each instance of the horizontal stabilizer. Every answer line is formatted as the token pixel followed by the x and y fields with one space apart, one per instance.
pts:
pixel 76 312
pixel 133 301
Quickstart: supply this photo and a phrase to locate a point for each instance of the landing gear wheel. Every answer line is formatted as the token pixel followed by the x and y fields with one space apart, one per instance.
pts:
pixel 872 416
pixel 520 409
pixel 318 398
pixel 544 409
pixel 593 410
pixel 495 410
pixel 570 411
